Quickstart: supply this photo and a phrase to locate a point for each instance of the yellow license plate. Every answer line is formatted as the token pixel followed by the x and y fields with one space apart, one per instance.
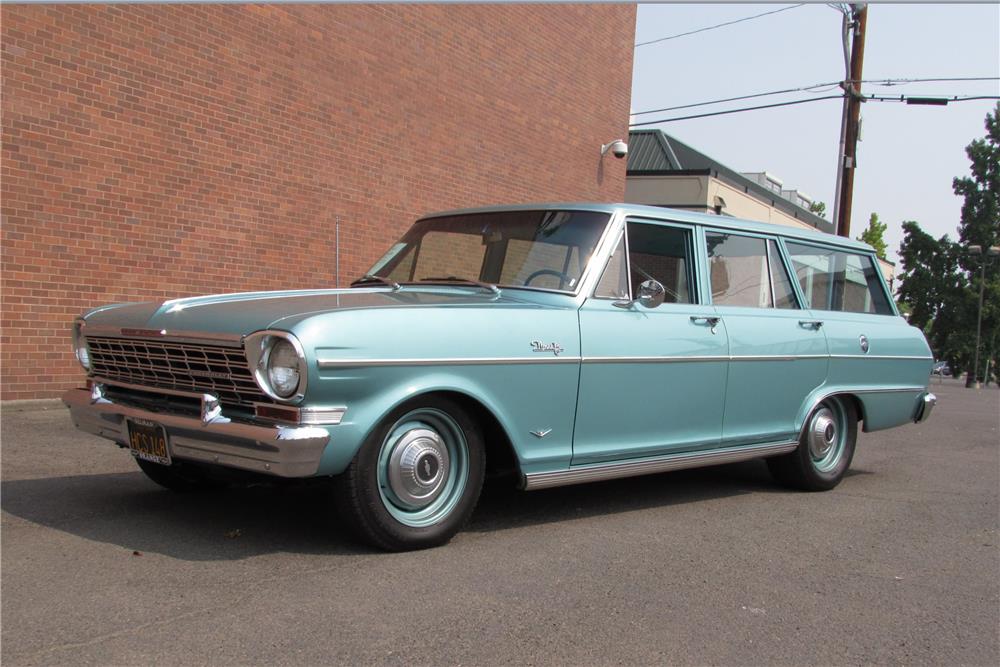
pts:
pixel 148 441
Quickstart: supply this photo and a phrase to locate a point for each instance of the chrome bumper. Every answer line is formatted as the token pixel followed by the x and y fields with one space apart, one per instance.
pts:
pixel 924 407
pixel 285 451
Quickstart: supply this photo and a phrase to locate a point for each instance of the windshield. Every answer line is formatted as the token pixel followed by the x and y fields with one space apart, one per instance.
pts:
pixel 535 249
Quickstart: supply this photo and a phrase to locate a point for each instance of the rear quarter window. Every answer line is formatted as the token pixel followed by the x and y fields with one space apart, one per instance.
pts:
pixel 839 280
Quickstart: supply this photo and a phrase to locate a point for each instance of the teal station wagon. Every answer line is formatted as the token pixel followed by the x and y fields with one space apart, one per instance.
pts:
pixel 558 343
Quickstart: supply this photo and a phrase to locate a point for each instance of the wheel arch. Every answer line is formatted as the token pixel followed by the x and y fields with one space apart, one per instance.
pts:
pixel 501 456
pixel 814 401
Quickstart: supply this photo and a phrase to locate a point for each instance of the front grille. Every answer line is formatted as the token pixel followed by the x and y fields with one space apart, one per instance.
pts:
pixel 212 369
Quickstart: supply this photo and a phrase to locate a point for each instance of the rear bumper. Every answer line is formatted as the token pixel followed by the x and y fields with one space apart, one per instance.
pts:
pixel 925 405
pixel 284 451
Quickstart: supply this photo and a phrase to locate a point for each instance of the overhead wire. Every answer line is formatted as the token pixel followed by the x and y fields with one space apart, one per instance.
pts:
pixel 718 25
pixel 873 98
pixel 819 88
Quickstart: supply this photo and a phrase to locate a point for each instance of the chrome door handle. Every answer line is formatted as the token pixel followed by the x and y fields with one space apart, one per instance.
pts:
pixel 811 324
pixel 711 320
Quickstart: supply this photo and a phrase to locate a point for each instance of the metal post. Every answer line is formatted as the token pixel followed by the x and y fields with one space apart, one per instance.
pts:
pixel 979 320
pixel 337 253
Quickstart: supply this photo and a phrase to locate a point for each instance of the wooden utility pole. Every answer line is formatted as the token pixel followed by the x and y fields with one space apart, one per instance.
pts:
pixel 854 99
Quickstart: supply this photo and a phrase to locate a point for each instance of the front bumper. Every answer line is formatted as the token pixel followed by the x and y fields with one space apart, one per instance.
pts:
pixel 925 405
pixel 284 451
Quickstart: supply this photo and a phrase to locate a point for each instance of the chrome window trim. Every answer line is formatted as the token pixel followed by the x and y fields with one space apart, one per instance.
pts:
pixel 604 471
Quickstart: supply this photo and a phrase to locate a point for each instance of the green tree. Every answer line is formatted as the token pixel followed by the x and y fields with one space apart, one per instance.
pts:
pixel 819 208
pixel 934 290
pixel 980 225
pixel 874 235
pixel 940 279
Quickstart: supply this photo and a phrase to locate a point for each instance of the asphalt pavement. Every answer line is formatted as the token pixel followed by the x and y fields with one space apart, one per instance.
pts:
pixel 900 564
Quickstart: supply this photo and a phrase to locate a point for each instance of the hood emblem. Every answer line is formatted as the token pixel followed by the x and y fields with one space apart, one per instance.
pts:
pixel 539 346
pixel 541 434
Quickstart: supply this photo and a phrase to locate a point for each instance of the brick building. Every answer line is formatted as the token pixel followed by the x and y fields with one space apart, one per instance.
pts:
pixel 157 151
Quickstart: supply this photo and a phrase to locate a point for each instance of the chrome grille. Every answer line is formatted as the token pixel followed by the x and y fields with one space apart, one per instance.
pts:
pixel 190 367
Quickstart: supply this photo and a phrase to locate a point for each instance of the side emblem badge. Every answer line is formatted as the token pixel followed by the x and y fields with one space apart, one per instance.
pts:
pixel 541 434
pixel 863 341
pixel 553 347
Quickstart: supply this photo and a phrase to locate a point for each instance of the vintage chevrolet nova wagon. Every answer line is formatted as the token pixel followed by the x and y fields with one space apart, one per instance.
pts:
pixel 558 343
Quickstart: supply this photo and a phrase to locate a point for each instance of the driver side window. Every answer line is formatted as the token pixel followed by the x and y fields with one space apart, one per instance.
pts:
pixel 663 254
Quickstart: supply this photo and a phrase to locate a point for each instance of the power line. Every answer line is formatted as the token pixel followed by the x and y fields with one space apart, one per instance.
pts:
pixel 812 88
pixel 719 25
pixel 928 99
pixel 909 99
pixel 729 111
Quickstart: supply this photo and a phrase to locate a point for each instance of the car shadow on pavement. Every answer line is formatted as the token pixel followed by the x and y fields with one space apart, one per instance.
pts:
pixel 128 510
pixel 501 507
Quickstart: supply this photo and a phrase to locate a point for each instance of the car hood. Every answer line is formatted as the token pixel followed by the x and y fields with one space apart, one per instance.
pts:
pixel 244 313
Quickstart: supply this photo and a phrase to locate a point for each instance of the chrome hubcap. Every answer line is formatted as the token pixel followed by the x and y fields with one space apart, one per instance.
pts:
pixel 822 434
pixel 418 468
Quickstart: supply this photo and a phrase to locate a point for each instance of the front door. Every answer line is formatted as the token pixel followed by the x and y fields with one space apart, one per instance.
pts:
pixel 652 380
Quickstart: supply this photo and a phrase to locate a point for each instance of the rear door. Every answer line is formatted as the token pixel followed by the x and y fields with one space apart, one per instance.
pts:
pixel 778 353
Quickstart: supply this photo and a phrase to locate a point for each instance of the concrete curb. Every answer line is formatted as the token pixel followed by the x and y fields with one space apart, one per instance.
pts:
pixel 28 404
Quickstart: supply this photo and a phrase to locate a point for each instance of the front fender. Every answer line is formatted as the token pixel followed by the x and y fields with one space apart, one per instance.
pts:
pixel 522 397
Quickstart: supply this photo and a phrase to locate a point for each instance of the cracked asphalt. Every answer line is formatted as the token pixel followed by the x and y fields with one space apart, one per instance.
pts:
pixel 900 564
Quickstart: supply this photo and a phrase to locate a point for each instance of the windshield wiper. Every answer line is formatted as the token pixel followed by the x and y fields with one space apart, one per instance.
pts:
pixel 373 278
pixel 466 281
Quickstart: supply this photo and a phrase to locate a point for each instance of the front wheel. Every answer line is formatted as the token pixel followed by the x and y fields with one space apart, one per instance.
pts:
pixel 417 478
pixel 825 449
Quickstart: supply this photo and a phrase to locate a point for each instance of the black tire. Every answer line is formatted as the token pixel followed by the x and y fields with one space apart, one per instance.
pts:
pixel 833 424
pixel 366 493
pixel 178 478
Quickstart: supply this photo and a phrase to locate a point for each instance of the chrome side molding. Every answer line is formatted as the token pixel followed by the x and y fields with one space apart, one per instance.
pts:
pixel 603 471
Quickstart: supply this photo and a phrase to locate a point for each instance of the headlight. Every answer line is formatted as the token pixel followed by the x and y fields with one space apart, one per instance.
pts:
pixel 80 345
pixel 278 364
pixel 283 368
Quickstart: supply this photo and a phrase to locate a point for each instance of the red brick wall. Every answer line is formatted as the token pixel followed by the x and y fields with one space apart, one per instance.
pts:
pixel 157 151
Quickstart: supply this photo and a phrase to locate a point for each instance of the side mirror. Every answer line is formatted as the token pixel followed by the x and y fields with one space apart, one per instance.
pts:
pixel 651 293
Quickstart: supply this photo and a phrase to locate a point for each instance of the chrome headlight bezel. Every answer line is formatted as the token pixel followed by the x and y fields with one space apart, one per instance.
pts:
pixel 80 349
pixel 258 348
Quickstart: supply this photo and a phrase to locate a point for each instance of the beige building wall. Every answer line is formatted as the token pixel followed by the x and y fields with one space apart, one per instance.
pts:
pixel 667 190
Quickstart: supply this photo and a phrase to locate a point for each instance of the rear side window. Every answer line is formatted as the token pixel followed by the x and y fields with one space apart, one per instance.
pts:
pixel 838 280
pixel 748 272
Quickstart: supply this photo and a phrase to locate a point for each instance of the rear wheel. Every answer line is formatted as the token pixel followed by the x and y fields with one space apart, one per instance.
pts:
pixel 825 449
pixel 417 478
pixel 178 478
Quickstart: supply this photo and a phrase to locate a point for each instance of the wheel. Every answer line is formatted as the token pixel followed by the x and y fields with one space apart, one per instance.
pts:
pixel 177 477
pixel 825 449
pixel 563 278
pixel 416 479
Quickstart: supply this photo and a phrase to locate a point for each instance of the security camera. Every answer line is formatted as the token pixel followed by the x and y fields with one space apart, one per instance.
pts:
pixel 617 147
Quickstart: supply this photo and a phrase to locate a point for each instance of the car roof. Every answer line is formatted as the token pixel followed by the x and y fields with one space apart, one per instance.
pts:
pixel 671 214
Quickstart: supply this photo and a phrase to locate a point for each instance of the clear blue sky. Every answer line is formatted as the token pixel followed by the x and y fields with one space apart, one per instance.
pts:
pixel 908 154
